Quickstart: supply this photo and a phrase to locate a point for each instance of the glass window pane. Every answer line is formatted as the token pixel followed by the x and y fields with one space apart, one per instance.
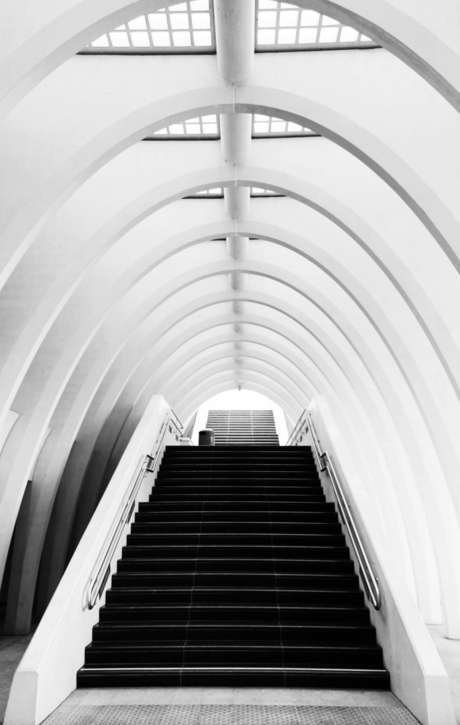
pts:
pixel 329 21
pixel 365 39
pixel 138 23
pixel 294 127
pixel 179 21
pixel 266 37
pixel 161 132
pixel 102 42
pixel 268 4
pixel 201 21
pixel 161 40
pixel 140 40
pixel 309 18
pixel 119 40
pixel 199 5
pixel 182 38
pixel 180 8
pixel 286 36
pixel 308 35
pixel 202 38
pixel 177 129
pixel 279 126
pixel 158 21
pixel 288 18
pixel 267 20
pixel 210 128
pixel 260 117
pixel 348 35
pixel 260 127
pixel 328 35
pixel 209 119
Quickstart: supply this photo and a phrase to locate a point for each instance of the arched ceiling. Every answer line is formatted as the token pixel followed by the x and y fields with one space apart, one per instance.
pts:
pixel 116 286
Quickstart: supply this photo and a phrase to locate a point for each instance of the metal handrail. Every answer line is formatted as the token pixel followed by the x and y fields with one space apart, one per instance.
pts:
pixel 147 464
pixel 369 580
pixel 297 428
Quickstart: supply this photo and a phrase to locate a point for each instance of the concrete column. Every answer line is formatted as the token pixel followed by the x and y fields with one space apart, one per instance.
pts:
pixel 237 247
pixel 235 33
pixel 238 306
pixel 237 279
pixel 237 200
pixel 235 133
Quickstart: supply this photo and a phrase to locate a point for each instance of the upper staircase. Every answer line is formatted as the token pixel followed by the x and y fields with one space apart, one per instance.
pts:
pixel 236 572
pixel 243 427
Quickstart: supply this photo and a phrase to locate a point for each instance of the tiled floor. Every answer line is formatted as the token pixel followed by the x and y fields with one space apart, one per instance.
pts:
pixel 230 706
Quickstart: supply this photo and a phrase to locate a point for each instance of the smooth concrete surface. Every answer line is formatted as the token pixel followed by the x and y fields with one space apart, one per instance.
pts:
pixel 11 650
pixel 231 696
pixel 449 651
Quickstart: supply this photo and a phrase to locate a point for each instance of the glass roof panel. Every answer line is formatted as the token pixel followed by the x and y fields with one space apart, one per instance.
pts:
pixel 283 26
pixel 203 127
pixel 216 193
pixel 256 191
pixel 186 27
pixel 208 127
pixel 269 126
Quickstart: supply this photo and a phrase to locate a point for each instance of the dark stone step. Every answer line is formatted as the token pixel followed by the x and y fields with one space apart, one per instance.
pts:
pixel 319 517
pixel 279 507
pixel 330 582
pixel 235 551
pixel 242 596
pixel 228 527
pixel 294 634
pixel 233 564
pixel 238 538
pixel 236 677
pixel 232 613
pixel 226 655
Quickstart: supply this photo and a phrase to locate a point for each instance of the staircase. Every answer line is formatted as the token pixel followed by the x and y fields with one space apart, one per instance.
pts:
pixel 243 427
pixel 235 573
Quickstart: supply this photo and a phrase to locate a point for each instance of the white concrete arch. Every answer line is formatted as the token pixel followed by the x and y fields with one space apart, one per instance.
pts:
pixel 430 313
pixel 49 38
pixel 266 235
pixel 383 159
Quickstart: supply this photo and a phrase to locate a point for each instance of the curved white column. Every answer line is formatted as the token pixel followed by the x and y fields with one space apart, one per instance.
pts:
pixel 235 39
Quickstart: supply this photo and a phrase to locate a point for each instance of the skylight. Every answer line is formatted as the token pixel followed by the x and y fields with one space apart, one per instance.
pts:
pixel 200 127
pixel 268 126
pixel 183 28
pixel 255 191
pixel 283 26
pixel 217 193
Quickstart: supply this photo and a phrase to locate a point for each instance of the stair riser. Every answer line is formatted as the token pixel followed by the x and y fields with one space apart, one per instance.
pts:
pixel 226 678
pixel 323 636
pixel 229 528
pixel 247 565
pixel 242 657
pixel 233 551
pixel 218 580
pixel 217 597
pixel 233 615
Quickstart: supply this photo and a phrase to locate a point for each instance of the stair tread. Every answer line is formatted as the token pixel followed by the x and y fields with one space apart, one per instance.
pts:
pixel 235 572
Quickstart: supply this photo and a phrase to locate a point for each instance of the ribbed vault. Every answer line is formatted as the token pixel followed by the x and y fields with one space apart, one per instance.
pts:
pixel 115 287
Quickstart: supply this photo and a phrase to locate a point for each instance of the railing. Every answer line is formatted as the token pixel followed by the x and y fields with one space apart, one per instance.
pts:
pixel 297 429
pixel 147 464
pixel 369 580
